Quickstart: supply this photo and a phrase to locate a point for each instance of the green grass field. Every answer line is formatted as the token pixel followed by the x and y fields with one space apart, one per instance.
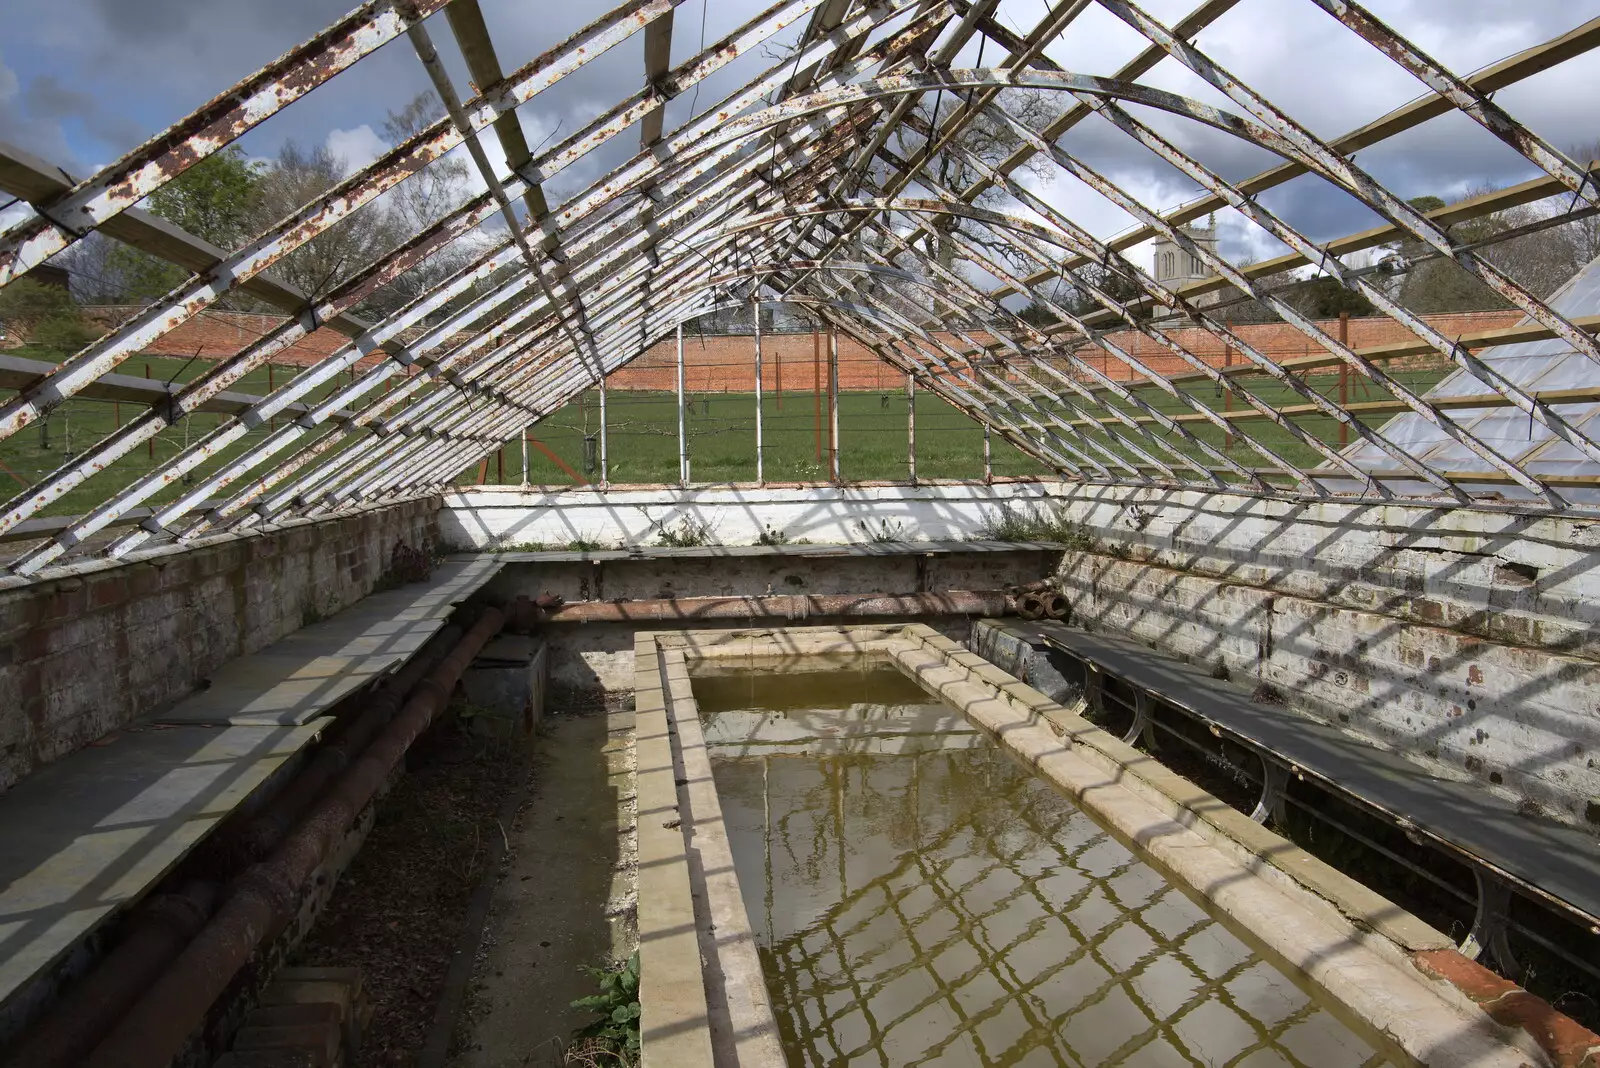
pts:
pixel 642 440
pixel 77 424
pixel 643 436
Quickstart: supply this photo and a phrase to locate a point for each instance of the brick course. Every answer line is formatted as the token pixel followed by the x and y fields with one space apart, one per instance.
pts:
pixel 726 364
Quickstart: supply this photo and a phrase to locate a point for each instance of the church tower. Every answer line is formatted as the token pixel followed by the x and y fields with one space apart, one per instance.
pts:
pixel 1175 267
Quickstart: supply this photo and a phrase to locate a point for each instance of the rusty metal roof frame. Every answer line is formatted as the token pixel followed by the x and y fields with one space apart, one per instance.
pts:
pixel 788 191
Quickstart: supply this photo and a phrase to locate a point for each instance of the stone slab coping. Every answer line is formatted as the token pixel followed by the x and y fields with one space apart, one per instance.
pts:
pixel 306 673
pixel 876 548
pixel 1199 808
pixel 89 834
pixel 1366 976
pixel 1552 861
pixel 674 1024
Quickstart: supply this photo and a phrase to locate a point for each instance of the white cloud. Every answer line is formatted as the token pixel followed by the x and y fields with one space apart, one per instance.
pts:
pixel 357 147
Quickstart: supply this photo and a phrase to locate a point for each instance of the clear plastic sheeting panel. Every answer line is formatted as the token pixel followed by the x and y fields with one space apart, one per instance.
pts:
pixel 1533 367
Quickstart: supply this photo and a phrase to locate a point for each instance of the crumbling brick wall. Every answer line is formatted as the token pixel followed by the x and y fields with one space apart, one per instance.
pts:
pixel 1465 639
pixel 84 655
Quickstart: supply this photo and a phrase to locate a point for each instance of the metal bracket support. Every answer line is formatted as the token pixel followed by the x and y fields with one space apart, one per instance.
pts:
pixel 1489 926
pixel 1143 726
pixel 1274 780
pixel 1089 700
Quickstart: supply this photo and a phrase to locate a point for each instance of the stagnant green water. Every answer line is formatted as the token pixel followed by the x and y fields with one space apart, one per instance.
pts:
pixel 920 898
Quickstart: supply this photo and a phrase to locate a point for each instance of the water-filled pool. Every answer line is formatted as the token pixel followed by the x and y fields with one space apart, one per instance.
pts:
pixel 918 897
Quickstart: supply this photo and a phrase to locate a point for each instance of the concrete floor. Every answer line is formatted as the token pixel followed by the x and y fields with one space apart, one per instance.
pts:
pixel 565 900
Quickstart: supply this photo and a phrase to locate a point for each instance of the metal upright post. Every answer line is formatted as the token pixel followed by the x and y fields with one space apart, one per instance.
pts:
pixel 152 442
pixel 833 403
pixel 816 385
pixel 911 427
pixel 1344 377
pixel 683 429
pixel 988 463
pixel 1227 394
pixel 524 456
pixel 761 470
pixel 605 469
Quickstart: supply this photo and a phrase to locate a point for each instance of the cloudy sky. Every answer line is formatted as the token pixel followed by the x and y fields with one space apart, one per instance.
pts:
pixel 82 81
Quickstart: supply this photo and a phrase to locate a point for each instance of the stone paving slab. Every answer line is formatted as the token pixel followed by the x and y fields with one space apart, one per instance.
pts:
pixel 304 674
pixel 93 831
pixel 96 830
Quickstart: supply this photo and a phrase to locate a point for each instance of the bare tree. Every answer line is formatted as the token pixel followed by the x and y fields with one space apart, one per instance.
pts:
pixel 985 140
pixel 1542 260
pixel 422 200
pixel 299 176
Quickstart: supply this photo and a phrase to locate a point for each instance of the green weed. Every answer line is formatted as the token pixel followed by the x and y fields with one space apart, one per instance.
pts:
pixel 616 1006
pixel 687 533
pixel 1042 522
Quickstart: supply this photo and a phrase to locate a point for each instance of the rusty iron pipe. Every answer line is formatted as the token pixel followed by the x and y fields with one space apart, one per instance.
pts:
pixel 1056 606
pixel 263 832
pixel 166 922
pixel 787 606
pixel 162 927
pixel 262 900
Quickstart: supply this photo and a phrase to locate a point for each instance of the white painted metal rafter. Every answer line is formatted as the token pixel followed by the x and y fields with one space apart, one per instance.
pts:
pixel 788 190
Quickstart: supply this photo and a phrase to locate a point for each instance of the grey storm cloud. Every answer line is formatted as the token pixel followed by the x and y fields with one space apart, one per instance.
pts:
pixel 157 59
pixel 47 99
pixel 19 126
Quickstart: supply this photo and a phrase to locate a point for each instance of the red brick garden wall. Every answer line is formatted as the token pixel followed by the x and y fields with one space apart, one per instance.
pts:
pixel 726 364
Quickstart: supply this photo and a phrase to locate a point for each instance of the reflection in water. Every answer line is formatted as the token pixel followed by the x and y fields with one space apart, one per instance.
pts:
pixel 920 898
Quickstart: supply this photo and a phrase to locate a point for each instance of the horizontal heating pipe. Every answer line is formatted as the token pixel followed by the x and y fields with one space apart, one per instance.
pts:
pixel 788 607
pixel 261 901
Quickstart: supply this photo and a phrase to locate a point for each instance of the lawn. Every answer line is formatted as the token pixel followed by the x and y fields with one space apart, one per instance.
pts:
pixel 642 444
pixel 643 436
pixel 38 450
pixel 642 440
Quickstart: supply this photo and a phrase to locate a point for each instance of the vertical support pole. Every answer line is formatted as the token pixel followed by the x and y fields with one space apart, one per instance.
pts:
pixel 272 424
pixel 524 456
pixel 816 385
pixel 1344 376
pixel 911 427
pixel 988 458
pixel 500 465
pixel 833 403
pixel 761 447
pixel 778 371
pixel 1227 395
pixel 683 429
pixel 152 442
pixel 605 470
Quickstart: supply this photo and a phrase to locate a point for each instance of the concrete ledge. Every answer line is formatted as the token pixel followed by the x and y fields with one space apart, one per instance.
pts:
pixel 1333 935
pixel 487 517
pixel 674 1025
pixel 743 1028
pixel 1194 807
